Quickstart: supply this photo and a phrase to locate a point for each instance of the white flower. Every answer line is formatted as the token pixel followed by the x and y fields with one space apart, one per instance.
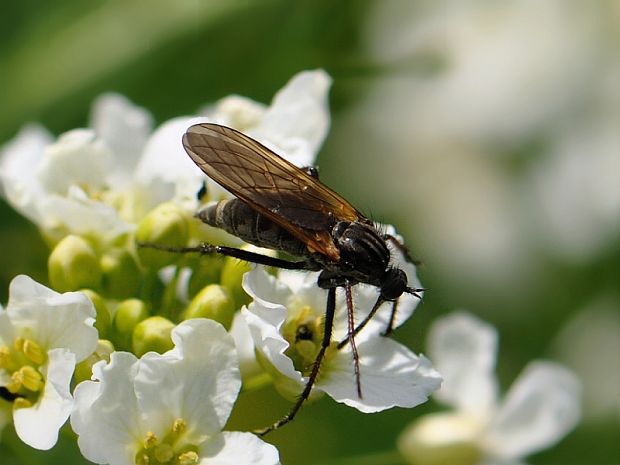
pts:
pixel 43 334
pixel 101 181
pixel 294 126
pixel 391 375
pixel 540 408
pixel 167 408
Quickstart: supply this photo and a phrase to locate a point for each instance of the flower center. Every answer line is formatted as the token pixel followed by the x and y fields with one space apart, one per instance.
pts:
pixel 22 363
pixel 304 333
pixel 169 450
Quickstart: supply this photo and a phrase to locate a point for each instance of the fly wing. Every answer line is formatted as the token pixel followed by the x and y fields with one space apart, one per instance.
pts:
pixel 271 185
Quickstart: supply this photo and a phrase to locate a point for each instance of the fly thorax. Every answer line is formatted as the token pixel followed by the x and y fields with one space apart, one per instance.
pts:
pixel 362 250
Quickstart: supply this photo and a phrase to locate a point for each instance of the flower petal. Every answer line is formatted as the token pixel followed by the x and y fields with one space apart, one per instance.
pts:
pixel 17 159
pixel 38 425
pixel 78 214
pixel 248 365
pixel 54 320
pixel 76 158
pixel 106 416
pixel 391 375
pixel 463 350
pixel 164 157
pixel 124 128
pixel 298 118
pixel 540 409
pixel 200 377
pixel 233 448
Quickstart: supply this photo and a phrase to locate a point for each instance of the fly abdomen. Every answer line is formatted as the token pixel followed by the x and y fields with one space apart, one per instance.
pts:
pixel 239 219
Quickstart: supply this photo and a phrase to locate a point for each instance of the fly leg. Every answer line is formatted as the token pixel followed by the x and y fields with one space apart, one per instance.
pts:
pixel 351 338
pixel 327 337
pixel 245 255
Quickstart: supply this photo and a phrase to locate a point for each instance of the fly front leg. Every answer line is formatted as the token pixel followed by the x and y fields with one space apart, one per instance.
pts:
pixel 245 255
pixel 351 338
pixel 327 337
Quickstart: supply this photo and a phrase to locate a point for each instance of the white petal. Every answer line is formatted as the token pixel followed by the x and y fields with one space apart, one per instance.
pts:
pixel 264 324
pixel 233 448
pixel 296 280
pixel 542 406
pixel 54 320
pixel 240 332
pixel 38 425
pixel 236 111
pixel 164 157
pixel 463 350
pixel 7 330
pixel 78 214
pixel 124 128
pixel 200 377
pixel 17 159
pixel 298 118
pixel 106 416
pixel 265 288
pixel 77 158
pixel 265 317
pixel 390 374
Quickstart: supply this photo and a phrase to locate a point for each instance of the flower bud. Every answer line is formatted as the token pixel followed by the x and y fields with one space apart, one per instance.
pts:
pixel 441 438
pixel 84 369
pixel 128 314
pixel 233 271
pixel 152 334
pixel 103 319
pixel 73 264
pixel 206 270
pixel 213 302
pixel 121 275
pixel 165 225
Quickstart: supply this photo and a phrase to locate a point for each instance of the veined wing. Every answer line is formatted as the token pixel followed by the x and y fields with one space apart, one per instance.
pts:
pixel 271 185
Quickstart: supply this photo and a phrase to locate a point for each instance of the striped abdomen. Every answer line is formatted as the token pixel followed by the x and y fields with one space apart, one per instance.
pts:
pixel 239 219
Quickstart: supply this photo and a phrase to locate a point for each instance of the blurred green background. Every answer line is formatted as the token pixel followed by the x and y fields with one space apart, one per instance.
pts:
pixel 487 132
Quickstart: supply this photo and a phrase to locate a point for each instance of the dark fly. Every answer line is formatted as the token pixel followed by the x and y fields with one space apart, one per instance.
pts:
pixel 282 207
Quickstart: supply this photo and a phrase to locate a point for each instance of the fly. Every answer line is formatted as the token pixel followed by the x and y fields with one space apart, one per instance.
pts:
pixel 280 206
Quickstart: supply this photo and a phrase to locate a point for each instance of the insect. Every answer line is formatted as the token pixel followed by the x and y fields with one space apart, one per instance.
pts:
pixel 280 206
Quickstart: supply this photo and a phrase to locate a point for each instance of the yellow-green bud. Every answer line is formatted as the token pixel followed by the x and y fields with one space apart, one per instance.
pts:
pixel 213 302
pixel 73 264
pixel 232 275
pixel 165 225
pixel 206 270
pixel 441 438
pixel 128 314
pixel 152 334
pixel 104 318
pixel 84 369
pixel 121 275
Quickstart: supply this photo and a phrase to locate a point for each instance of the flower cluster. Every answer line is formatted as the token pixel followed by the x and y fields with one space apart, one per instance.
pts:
pixel 144 350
